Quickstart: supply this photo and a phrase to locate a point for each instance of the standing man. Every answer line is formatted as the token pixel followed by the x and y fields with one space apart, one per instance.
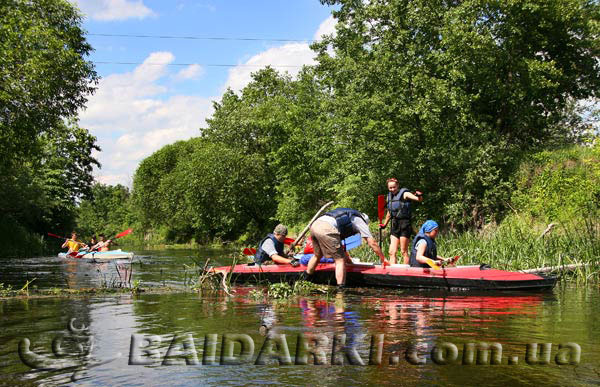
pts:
pixel 399 211
pixel 327 233
pixel 271 248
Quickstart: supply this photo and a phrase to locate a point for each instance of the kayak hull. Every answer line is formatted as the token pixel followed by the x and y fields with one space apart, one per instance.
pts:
pixel 398 276
pixel 99 256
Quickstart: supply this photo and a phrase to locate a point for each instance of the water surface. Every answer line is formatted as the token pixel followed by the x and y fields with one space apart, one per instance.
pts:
pixel 191 328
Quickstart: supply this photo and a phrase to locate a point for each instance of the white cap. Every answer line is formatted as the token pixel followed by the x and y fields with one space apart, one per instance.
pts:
pixel 365 217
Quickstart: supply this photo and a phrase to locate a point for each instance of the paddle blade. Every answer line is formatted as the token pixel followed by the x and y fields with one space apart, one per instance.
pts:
pixel 352 242
pixel 248 251
pixel 287 241
pixel 380 207
pixel 56 236
pixel 126 232
pixel 432 264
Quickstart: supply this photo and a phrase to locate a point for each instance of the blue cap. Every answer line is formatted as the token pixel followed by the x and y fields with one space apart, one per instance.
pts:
pixel 429 226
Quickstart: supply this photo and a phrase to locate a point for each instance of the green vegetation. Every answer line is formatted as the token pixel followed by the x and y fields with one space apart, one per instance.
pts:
pixel 451 98
pixel 475 103
pixel 283 290
pixel 45 157
pixel 105 211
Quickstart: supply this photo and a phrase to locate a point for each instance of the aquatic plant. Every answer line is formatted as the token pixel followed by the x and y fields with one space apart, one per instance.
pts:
pixel 280 290
pixel 5 290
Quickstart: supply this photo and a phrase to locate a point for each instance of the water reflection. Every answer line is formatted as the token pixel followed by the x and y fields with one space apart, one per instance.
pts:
pixel 410 321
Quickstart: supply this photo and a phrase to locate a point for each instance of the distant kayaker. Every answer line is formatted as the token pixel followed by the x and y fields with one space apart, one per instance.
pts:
pixel 73 244
pixel 93 241
pixel 102 245
pixel 271 248
pixel 399 212
pixel 424 246
pixel 327 233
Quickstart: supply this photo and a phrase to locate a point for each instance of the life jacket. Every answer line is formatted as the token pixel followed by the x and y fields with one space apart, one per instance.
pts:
pixel 397 206
pixel 73 246
pixel 430 250
pixel 309 249
pixel 343 218
pixel 261 256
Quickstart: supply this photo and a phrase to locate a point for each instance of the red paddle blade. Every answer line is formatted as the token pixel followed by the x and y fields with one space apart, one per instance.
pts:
pixel 380 207
pixel 126 232
pixel 56 236
pixel 248 251
pixel 287 241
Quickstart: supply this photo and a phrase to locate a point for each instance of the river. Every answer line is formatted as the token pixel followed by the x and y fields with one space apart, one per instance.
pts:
pixel 363 336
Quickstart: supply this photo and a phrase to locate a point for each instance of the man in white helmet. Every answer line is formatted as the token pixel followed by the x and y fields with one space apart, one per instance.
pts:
pixel 327 233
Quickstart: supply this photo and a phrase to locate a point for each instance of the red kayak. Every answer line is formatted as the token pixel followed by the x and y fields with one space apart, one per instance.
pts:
pixel 399 276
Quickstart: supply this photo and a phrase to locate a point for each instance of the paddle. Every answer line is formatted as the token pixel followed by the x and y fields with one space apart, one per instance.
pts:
pixel 122 234
pixel 308 226
pixel 380 214
pixel 432 264
pixel 450 261
pixel 447 261
pixel 252 251
pixel 249 251
pixel 60 237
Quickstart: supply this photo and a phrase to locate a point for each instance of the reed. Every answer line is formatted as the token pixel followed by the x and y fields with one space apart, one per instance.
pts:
pixel 518 244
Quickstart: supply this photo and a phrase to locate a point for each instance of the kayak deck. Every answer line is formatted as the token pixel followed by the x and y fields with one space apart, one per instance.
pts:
pixel 399 276
pixel 99 256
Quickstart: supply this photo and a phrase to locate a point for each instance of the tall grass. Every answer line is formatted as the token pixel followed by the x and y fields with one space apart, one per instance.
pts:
pixel 515 245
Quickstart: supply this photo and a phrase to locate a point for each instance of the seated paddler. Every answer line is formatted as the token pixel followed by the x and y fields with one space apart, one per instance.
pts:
pixel 424 248
pixel 271 248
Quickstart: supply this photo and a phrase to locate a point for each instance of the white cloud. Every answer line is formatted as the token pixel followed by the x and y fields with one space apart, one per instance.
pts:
pixel 132 115
pixel 193 71
pixel 108 10
pixel 295 54
pixel 326 28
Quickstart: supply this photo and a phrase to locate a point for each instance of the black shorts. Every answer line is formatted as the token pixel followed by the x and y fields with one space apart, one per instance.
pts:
pixel 401 228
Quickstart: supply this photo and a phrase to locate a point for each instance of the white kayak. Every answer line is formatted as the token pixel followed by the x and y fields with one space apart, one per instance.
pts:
pixel 99 255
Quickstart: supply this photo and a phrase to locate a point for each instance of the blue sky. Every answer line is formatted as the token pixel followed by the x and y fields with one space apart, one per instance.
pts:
pixel 166 95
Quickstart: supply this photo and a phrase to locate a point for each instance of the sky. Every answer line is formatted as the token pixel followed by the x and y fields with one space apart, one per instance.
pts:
pixel 155 91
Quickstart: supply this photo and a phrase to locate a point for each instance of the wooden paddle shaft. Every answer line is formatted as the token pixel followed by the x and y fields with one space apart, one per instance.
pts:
pixel 294 243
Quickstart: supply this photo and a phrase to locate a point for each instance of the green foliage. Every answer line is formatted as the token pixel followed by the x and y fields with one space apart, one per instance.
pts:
pixel 106 211
pixel 448 95
pixel 280 290
pixel 5 291
pixel 45 157
pixel 210 191
pixel 559 186
pixel 44 76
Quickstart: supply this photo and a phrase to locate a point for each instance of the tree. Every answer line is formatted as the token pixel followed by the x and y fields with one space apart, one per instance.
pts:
pixel 204 190
pixel 449 95
pixel 45 158
pixel 44 75
pixel 41 193
pixel 106 211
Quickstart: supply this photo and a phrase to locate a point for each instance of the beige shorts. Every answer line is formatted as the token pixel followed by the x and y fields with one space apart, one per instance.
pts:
pixel 326 240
